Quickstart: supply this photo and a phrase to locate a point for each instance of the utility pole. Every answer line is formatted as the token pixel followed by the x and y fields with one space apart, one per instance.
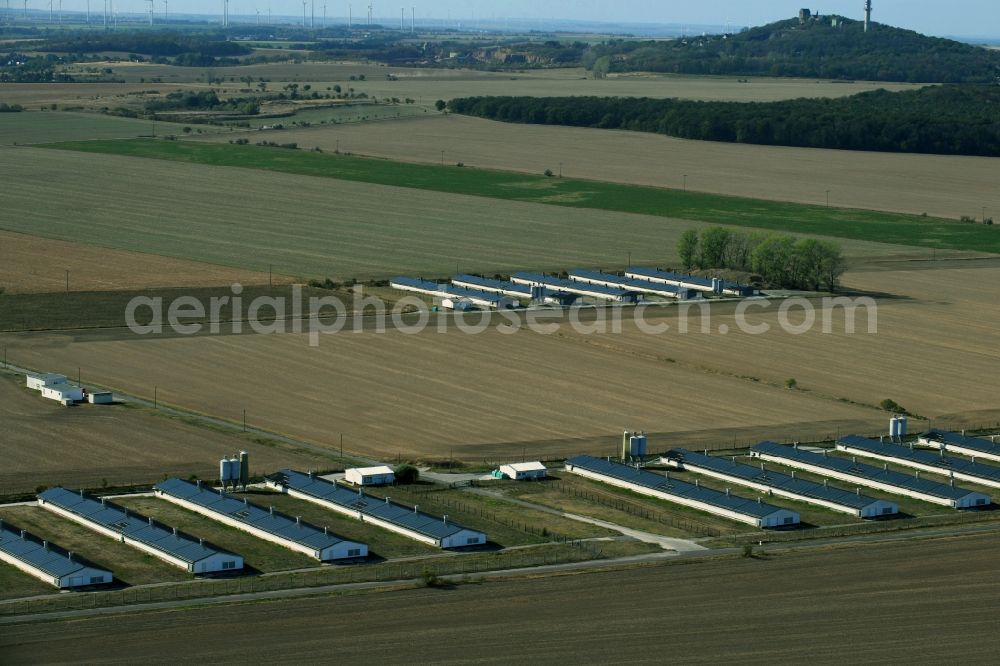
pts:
pixel 685 182
pixel 67 280
pixel 154 397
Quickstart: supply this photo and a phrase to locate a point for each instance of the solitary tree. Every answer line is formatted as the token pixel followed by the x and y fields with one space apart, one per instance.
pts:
pixel 714 247
pixel 687 248
pixel 440 105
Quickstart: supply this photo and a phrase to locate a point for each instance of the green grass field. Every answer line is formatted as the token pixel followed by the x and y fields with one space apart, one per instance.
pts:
pixel 836 222
pixel 29 127
pixel 128 564
pixel 88 309
pixel 15 584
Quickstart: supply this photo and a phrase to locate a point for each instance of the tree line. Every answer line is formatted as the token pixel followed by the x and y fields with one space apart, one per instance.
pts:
pixel 947 120
pixel 206 100
pixel 779 260
pixel 158 43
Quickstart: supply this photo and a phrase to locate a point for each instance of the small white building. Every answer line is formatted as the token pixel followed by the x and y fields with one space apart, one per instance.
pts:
pixel 38 382
pixel 524 471
pixel 67 394
pixel 370 476
pixel 100 397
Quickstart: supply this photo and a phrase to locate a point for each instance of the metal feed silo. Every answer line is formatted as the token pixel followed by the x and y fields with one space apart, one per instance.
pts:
pixel 224 471
pixel 244 464
pixel 638 445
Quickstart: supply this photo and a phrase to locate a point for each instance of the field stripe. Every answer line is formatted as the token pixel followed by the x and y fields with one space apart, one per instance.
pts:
pixel 873 226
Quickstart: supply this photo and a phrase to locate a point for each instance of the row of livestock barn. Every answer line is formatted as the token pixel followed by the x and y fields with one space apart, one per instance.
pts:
pixel 63 569
pixel 815 488
pixel 472 291
pixel 833 479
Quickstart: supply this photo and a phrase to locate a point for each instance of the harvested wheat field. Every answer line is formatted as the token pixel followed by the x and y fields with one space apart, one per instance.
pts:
pixel 315 227
pixel 29 264
pixel 430 394
pixel 47 444
pixel 939 185
pixel 492 394
pixel 732 611
pixel 86 95
pixel 428 85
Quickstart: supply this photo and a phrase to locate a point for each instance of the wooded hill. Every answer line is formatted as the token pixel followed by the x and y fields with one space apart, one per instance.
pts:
pixel 824 47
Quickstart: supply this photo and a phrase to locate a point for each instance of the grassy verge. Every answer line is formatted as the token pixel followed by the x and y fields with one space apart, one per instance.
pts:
pixel 128 564
pixel 687 521
pixel 258 554
pixel 15 584
pixel 92 309
pixel 838 222
pixel 598 507
pixel 468 564
pixel 381 542
pixel 504 523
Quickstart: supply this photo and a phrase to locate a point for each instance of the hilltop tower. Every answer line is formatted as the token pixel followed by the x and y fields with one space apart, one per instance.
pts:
pixel 868 14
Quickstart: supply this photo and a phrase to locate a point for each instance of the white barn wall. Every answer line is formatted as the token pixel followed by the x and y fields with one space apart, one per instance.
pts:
pixel 764 488
pixel 708 508
pixel 862 481
pixel 919 466
pixel 338 551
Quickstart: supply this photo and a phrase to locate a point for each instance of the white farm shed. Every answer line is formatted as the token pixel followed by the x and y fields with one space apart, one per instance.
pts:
pixel 38 382
pixel 100 397
pixel 64 393
pixel 370 476
pixel 524 471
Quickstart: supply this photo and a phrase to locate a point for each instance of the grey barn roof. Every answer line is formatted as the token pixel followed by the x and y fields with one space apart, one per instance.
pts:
pixel 132 525
pixel 882 475
pixel 491 284
pixel 243 511
pixel 446 289
pixel 670 486
pixel 397 514
pixel 958 439
pixel 944 463
pixel 631 284
pixel 775 479
pixel 52 560
pixel 571 286
pixel 705 283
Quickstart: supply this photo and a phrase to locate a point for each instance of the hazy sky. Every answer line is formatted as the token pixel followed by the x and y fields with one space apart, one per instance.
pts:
pixel 957 17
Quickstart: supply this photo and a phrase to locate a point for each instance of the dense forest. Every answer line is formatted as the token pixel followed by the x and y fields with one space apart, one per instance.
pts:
pixel 821 47
pixel 948 120
pixel 166 44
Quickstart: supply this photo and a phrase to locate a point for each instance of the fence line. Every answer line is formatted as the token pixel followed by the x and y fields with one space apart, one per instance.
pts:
pixel 333 575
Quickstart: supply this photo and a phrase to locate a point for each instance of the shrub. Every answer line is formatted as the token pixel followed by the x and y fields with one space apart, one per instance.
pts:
pixel 429 578
pixel 892 406
pixel 747 550
pixel 791 383
pixel 548 173
pixel 406 474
